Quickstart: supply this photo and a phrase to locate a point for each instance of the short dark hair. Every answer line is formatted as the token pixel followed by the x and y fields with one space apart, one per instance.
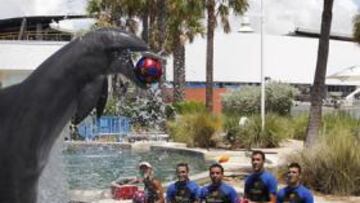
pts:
pixel 216 165
pixel 183 165
pixel 255 152
pixel 295 165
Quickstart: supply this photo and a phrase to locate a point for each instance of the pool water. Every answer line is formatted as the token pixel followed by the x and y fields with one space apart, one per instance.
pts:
pixel 96 168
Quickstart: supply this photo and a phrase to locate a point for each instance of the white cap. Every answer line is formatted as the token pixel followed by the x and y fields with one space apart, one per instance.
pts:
pixel 145 163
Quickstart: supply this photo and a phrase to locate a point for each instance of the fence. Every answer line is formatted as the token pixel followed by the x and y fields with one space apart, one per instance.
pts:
pixel 105 125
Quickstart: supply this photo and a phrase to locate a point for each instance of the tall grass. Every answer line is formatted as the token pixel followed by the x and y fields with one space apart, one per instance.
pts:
pixel 299 124
pixel 277 128
pixel 187 107
pixel 196 129
pixel 333 165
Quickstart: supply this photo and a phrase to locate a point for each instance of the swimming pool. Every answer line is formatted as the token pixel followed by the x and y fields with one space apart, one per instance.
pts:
pixel 96 167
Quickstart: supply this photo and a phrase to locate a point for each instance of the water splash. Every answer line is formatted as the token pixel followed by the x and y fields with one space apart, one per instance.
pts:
pixel 53 186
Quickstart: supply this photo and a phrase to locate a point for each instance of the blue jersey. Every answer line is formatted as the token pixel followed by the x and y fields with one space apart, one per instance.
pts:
pixel 184 192
pixel 259 186
pixel 298 194
pixel 222 193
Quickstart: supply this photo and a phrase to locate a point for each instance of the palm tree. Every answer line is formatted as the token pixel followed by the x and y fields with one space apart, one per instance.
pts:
pixel 318 88
pixel 170 34
pixel 183 24
pixel 214 9
pixel 356 30
pixel 161 37
pixel 122 14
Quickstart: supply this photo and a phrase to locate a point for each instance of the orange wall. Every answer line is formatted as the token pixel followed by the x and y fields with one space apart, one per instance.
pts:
pixel 198 94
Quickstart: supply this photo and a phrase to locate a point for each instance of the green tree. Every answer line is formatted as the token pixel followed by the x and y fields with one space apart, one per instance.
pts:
pixel 318 87
pixel 167 26
pixel 183 24
pixel 217 8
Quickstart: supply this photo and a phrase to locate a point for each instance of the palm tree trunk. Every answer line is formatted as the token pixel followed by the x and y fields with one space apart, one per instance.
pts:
pixel 179 72
pixel 145 26
pixel 210 54
pixel 318 89
pixel 152 24
pixel 161 22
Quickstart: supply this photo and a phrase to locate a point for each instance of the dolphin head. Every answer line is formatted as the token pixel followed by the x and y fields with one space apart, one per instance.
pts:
pixel 118 47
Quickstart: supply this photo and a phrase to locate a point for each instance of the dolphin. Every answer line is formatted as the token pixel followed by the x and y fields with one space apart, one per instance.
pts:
pixel 69 84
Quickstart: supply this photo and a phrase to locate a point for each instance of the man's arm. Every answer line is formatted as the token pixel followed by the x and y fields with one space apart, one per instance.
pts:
pixel 272 198
pixel 272 187
pixel 135 181
pixel 196 193
pixel 170 194
pixel 159 190
pixel 233 196
pixel 309 198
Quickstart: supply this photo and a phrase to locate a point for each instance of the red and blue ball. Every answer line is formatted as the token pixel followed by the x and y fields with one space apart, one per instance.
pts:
pixel 148 70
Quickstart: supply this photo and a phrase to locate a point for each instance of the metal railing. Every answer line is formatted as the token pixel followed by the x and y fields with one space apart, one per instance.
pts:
pixel 36 35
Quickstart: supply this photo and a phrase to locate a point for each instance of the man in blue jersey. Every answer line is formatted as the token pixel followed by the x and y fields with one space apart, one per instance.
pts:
pixel 261 185
pixel 183 190
pixel 218 191
pixel 294 192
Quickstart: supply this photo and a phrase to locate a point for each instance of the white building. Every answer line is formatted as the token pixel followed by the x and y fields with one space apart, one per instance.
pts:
pixel 289 59
pixel 19 58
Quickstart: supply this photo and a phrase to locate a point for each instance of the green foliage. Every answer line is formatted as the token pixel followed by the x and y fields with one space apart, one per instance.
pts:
pixel 299 124
pixel 330 121
pixel 332 166
pixel 277 128
pixel 246 101
pixel 195 129
pixel 189 107
pixel 242 102
pixel 339 119
pixel 279 97
pixel 183 22
pixel 111 107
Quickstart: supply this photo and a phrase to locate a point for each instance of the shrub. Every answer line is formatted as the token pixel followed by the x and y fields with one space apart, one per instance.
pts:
pixel 189 107
pixel 246 101
pixel 242 102
pixel 180 130
pixel 110 108
pixel 195 129
pixel 279 97
pixel 341 120
pixel 277 128
pixel 333 165
pixel 299 124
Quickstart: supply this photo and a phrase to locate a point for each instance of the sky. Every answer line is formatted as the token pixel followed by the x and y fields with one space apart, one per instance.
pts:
pixel 281 16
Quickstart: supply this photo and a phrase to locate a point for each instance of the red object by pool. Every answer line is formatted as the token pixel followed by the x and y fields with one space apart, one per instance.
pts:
pixel 123 191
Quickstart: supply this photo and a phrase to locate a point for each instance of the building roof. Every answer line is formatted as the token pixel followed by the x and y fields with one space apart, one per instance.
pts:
pixel 305 32
pixel 286 58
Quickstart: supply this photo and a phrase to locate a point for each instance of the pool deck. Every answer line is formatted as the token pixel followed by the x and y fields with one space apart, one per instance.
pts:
pixel 237 165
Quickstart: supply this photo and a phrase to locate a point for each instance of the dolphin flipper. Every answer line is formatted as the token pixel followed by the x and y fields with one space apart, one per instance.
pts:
pixel 90 97
pixel 101 103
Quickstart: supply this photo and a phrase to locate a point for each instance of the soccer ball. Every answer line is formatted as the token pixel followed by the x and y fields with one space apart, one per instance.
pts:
pixel 148 70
